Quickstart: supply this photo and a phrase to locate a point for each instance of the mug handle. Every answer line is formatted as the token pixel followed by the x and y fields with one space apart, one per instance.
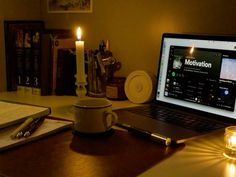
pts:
pixel 110 119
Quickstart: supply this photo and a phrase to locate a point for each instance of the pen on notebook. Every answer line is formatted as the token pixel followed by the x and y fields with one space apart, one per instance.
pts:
pixel 21 127
pixel 21 133
pixel 33 126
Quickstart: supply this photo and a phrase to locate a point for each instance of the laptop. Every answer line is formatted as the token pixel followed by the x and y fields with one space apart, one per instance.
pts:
pixel 195 90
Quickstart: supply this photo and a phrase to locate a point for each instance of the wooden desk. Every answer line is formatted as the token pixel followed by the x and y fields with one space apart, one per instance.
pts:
pixel 64 155
pixel 119 154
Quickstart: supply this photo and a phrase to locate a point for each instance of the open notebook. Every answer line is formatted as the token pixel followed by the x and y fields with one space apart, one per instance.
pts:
pixel 13 114
pixel 48 127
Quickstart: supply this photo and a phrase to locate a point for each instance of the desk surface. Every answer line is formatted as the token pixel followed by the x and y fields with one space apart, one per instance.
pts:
pixel 115 155
pixel 128 155
pixel 61 106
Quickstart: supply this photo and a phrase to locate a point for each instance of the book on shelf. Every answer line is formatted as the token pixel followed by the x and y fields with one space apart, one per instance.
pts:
pixel 49 47
pixel 19 56
pixel 66 43
pixel 66 70
pixel 13 114
pixel 44 80
pixel 11 33
pixel 36 61
pixel 28 73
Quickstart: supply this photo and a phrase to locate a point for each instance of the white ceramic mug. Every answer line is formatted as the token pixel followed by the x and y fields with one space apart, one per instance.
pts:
pixel 94 115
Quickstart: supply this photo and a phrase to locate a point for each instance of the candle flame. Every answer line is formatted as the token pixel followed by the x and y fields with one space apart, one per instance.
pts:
pixel 232 140
pixel 191 50
pixel 79 33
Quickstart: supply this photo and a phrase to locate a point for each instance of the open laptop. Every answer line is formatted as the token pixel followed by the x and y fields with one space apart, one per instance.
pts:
pixel 195 93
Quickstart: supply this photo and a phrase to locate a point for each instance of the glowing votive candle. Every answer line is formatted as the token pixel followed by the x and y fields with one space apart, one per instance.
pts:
pixel 230 142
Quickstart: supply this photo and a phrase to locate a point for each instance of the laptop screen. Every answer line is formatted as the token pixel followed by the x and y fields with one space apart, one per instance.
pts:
pixel 198 72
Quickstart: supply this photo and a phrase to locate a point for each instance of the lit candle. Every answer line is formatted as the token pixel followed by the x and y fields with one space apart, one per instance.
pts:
pixel 80 57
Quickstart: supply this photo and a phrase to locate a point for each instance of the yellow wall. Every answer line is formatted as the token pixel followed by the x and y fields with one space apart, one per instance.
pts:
pixel 14 10
pixel 133 27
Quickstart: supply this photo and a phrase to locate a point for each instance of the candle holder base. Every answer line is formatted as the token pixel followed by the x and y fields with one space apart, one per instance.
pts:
pixel 81 90
pixel 229 155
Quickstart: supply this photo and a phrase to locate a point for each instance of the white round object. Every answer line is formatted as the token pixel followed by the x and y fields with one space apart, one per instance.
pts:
pixel 139 86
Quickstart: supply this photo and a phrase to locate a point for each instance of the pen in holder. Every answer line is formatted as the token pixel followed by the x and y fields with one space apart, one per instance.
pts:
pixel 96 75
pixel 100 71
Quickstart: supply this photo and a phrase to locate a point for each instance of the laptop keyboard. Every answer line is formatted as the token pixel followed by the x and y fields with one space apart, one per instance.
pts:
pixel 198 124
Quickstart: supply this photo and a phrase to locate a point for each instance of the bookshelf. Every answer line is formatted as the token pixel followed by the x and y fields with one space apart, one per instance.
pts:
pixel 31 56
pixel 18 49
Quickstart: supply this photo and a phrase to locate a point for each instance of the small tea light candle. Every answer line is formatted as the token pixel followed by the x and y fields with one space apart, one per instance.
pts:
pixel 230 142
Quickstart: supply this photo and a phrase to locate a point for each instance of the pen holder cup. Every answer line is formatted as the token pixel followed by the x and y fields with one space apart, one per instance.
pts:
pixel 100 71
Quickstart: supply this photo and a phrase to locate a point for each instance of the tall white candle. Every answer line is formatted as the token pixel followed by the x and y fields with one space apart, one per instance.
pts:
pixel 79 44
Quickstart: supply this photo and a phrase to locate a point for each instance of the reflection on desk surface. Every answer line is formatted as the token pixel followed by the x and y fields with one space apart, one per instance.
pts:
pixel 200 157
pixel 117 154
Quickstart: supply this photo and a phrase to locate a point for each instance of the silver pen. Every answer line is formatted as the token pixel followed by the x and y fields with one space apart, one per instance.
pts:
pixel 154 136
pixel 160 138
pixel 17 133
